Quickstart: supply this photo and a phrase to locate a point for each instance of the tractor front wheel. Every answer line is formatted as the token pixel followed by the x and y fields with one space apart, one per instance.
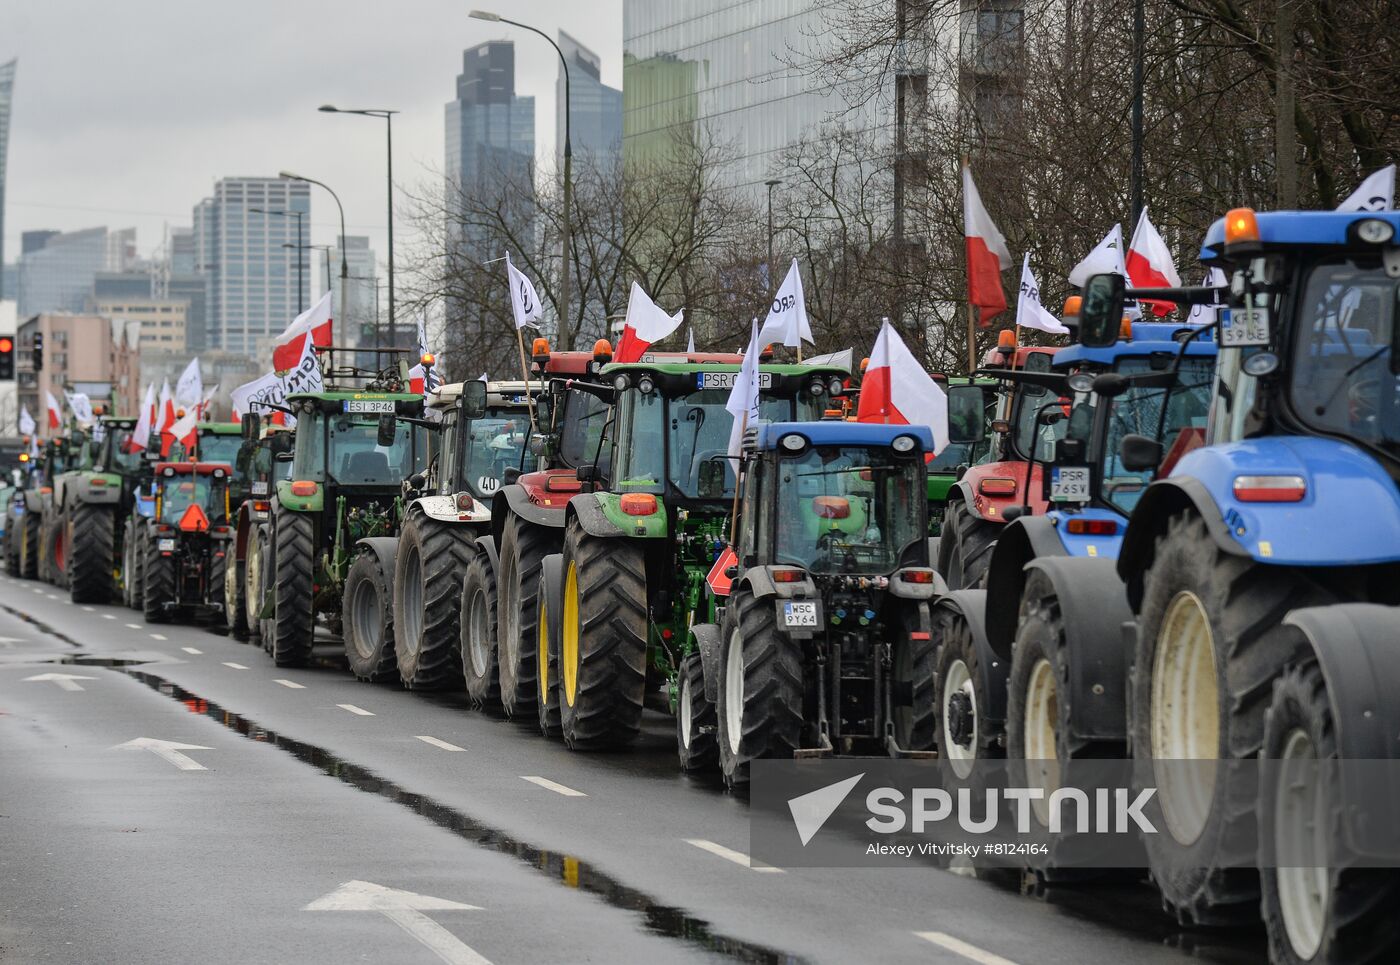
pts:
pixel 523 548
pixel 760 706
pixel 964 734
pixel 367 623
pixel 293 623
pixel 133 556
pixel 696 724
pixel 235 610
pixel 92 537
pixel 427 602
pixel 478 632
pixel 550 594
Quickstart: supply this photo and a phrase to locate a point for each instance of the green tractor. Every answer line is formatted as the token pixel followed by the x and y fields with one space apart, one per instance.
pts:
pixel 641 539
pixel 345 490
pixel 251 524
pixel 67 454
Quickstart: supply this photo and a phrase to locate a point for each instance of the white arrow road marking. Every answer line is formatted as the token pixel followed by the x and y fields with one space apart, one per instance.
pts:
pixel 234 666
pixel 549 785
pixel 290 684
pixel 168 750
pixel 405 909
pixel 439 743
pixel 356 710
pixel 960 947
pixel 728 854
pixel 65 681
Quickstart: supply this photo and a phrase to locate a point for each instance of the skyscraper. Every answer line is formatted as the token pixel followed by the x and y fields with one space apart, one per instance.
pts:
pixel 252 278
pixel 595 109
pixel 7 90
pixel 57 271
pixel 490 131
pixel 360 308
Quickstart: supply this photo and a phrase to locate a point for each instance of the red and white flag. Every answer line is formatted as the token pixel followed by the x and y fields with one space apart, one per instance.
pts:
pixel 1149 263
pixel 897 391
pixel 646 323
pixel 987 254
pixel 184 428
pixel 55 413
pixel 165 408
pixel 314 323
pixel 141 435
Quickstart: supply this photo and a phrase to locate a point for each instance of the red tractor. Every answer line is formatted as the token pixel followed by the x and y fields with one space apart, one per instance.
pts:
pixel 185 542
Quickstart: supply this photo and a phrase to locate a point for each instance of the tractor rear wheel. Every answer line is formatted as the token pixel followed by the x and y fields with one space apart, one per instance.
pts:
pixel 235 611
pixel 55 570
pixel 157 584
pixel 29 546
pixel 963 733
pixel 293 622
pixel 133 553
pixel 427 602
pixel 479 653
pixel 1210 644
pixel 603 640
pixel 696 724
pixel 92 537
pixel 367 623
pixel 965 547
pixel 760 707
pixel 255 589
pixel 12 534
pixel 523 548
pixel 915 710
pixel 550 594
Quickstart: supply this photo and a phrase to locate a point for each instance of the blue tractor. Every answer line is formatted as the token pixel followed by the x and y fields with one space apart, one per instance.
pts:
pixel 1263 578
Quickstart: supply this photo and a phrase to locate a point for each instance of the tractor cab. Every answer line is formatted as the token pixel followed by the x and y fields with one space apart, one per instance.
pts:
pixel 485 433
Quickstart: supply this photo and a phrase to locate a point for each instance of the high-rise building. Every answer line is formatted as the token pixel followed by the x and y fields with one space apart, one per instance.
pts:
pixel 490 131
pixel 58 275
pixel 252 277
pixel 182 251
pixel 361 283
pixel 595 109
pixel 7 91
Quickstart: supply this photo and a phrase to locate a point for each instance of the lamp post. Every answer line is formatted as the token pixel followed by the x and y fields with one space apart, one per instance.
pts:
pixel 771 185
pixel 344 266
pixel 301 281
pixel 389 138
pixel 323 248
pixel 566 284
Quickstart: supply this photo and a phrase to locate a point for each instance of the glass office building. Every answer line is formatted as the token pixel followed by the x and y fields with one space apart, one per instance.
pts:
pixel 595 109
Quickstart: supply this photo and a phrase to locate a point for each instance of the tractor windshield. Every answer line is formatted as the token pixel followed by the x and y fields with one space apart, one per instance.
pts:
pixel 120 456
pixel 217 447
pixel 1138 412
pixel 179 493
pixel 344 448
pixel 494 444
pixel 1343 378
pixel 848 510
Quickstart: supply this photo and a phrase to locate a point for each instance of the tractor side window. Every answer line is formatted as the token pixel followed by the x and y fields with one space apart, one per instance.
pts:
pixel 582 418
pixel 311 442
pixel 1138 412
pixel 446 444
pixel 493 444
pixel 750 526
pixel 640 455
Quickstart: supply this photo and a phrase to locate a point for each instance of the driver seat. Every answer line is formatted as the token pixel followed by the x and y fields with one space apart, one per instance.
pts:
pixel 366 465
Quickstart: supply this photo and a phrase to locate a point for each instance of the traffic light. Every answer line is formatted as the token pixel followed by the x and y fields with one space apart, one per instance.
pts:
pixel 38 351
pixel 7 358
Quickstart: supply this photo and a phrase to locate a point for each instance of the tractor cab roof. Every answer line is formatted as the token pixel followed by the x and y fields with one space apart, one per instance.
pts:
pixel 192 468
pixel 681 378
pixel 1302 229
pixel 118 421
pixel 219 428
pixel 499 395
pixel 1148 338
pixel 768 435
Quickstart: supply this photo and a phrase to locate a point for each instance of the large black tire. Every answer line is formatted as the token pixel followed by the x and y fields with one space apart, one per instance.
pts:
pixel 54 549
pixel 550 597
pixel 428 574
pixel 13 529
pixel 235 610
pixel 962 732
pixel 760 706
pixel 293 622
pixel 255 583
pixel 367 622
pixel 603 640
pixel 133 558
pixel 92 537
pixel 157 583
pixel 30 525
pixel 965 547
pixel 697 746
pixel 915 710
pixel 1192 587
pixel 1357 908
pixel 478 649
pixel 523 548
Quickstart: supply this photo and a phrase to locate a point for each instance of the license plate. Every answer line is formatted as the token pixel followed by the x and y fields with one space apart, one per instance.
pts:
pixel 1069 484
pixel 1244 327
pixel 369 405
pixel 726 380
pixel 260 487
pixel 165 545
pixel 800 614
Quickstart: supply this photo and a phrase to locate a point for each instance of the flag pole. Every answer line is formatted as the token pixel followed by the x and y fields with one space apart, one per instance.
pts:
pixel 525 373
pixel 971 338
pixel 734 510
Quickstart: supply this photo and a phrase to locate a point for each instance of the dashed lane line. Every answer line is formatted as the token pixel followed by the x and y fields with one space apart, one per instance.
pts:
pixel 360 711
pixel 186 649
pixel 959 947
pixel 87 609
pixel 108 616
pixel 134 626
pixel 161 636
pixel 289 684
pixel 728 854
pixel 439 743
pixel 234 666
pixel 549 785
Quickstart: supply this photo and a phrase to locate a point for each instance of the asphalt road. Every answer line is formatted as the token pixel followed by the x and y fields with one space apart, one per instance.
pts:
pixel 312 818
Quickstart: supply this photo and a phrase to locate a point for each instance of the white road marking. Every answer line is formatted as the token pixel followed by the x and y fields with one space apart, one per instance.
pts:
pixel 439 743
pixel 167 750
pixel 356 710
pixel 549 785
pixel 51 596
pixel 65 681
pixel 405 909
pixel 161 636
pixel 38 591
pixel 186 649
pixel 738 857
pixel 290 684
pixel 87 609
pixel 134 626
pixel 959 947
pixel 108 616
pixel 234 666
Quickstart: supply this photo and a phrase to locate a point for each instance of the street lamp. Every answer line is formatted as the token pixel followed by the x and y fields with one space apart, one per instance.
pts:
pixel 301 281
pixel 564 288
pixel 771 185
pixel 344 266
pixel 325 248
pixel 389 132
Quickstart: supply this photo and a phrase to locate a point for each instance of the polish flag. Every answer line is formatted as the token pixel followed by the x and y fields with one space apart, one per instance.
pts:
pixel 315 322
pixel 1149 263
pixel 646 323
pixel 897 391
pixel 165 408
pixel 184 429
pixel 141 435
pixel 987 254
pixel 55 413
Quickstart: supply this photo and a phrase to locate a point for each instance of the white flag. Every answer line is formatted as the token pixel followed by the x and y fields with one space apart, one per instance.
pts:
pixel 26 421
pixel 254 396
pixel 787 316
pixel 81 407
pixel 141 435
pixel 1205 314
pixel 524 302
pixel 190 389
pixel 743 398
pixel 1376 193
pixel 1029 312
pixel 1105 259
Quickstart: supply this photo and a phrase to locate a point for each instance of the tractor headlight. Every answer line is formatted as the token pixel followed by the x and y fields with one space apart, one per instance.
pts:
pixel 834 387
pixel 793 442
pixel 1374 231
pixel 904 444
pixel 620 382
pixel 817 389
pixel 646 385
pixel 169 471
pixel 1080 382
pixel 218 474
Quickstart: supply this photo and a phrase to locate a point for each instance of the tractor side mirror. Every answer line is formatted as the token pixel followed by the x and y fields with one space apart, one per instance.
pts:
pixel 473 399
pixel 388 430
pixel 711 482
pixel 417 481
pixel 1110 385
pixel 1101 310
pixel 966 414
pixel 252 426
pixel 1139 453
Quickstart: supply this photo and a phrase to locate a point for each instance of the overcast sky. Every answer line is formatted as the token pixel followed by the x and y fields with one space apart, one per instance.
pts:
pixel 127 111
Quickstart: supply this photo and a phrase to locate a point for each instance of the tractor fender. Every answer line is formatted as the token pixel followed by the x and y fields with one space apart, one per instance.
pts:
pixel 1354 644
pixel 1094 608
pixel 585 508
pixel 1023 540
pixel 918 591
pixel 385 549
pixel 444 509
pixel 81 490
pixel 992 670
pixel 707 638
pixel 760 582
pixel 487 545
pixel 1163 500
pixel 520 505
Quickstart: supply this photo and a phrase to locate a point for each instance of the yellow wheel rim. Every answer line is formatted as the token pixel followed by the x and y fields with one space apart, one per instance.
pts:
pixel 542 650
pixel 570 628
